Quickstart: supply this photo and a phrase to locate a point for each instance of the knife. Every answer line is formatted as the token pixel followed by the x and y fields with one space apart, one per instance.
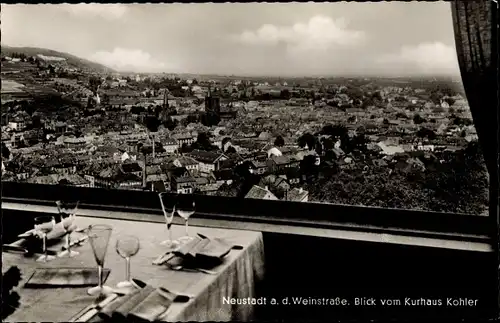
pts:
pixel 92 310
pixel 76 242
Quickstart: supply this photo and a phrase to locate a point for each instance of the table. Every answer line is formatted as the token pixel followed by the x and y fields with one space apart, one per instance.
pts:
pixel 236 277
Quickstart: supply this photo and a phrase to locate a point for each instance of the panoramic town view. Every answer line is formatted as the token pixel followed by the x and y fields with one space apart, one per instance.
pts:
pixel 319 105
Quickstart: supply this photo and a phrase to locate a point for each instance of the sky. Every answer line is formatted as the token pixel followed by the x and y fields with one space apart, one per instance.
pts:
pixel 267 39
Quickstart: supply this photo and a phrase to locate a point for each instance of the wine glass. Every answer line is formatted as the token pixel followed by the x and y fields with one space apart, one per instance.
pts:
pixel 168 207
pixel 99 235
pixel 186 208
pixel 43 225
pixel 67 212
pixel 127 246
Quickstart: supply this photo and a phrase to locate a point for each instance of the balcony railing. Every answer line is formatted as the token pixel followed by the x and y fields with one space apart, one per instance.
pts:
pixel 262 214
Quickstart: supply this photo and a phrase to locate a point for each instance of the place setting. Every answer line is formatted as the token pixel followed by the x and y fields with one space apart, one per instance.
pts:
pixel 46 238
pixel 189 253
pixel 62 277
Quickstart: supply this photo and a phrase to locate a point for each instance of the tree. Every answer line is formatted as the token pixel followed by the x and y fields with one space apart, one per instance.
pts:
pixel 335 131
pixel 185 148
pixel 377 96
pixel 417 119
pixel 152 123
pixel 90 103
pixel 203 142
pixel 279 141
pixel 461 121
pixel 170 123
pixel 105 99
pixel 426 133
pixel 231 150
pixel 308 166
pixel 450 101
pixel 308 140
pixel 137 109
pixel 461 184
pixel 318 147
pixel 5 152
pixel 225 140
pixel 157 111
pixel 360 142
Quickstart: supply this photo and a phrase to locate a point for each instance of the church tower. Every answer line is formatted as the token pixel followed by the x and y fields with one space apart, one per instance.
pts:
pixel 165 101
pixel 212 102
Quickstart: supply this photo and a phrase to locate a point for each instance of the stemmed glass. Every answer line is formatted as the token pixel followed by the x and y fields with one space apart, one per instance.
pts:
pixel 43 225
pixel 186 208
pixel 168 207
pixel 127 246
pixel 67 212
pixel 99 235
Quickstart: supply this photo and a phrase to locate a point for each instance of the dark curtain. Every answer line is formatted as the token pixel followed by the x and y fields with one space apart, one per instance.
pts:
pixel 475 38
pixel 476 41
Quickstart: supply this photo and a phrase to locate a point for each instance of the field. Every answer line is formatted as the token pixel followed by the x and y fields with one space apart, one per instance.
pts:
pixel 11 87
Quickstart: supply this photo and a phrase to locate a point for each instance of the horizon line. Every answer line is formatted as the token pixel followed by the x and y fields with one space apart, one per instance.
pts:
pixel 246 75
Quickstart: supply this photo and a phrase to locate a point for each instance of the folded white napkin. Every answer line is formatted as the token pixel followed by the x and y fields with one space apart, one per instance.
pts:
pixel 59 229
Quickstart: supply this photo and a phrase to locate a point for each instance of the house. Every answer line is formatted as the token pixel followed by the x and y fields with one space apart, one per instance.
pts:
pixel 206 185
pixel 114 177
pixel 56 179
pixel 297 195
pixel 74 143
pixel 209 189
pixel 64 168
pixel 132 168
pixel 209 161
pixel 224 176
pixel 279 163
pixel 159 186
pixel 60 127
pixel 74 180
pixel 17 140
pixel 258 167
pixel 182 139
pixel 158 182
pixel 422 147
pixel 379 163
pixel 390 150
pixel 217 142
pixel 189 163
pixel 178 172
pixel 17 124
pixel 292 175
pixel 276 183
pixel 257 192
pixel 90 179
pixel 183 184
pixel 171 145
pixel 416 164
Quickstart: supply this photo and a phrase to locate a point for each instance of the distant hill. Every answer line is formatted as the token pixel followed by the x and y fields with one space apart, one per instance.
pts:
pixel 53 55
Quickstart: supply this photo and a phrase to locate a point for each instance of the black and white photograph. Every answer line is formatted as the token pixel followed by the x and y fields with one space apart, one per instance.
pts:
pixel 249 161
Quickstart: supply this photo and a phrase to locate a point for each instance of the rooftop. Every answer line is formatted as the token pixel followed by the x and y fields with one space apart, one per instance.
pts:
pixel 257 192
